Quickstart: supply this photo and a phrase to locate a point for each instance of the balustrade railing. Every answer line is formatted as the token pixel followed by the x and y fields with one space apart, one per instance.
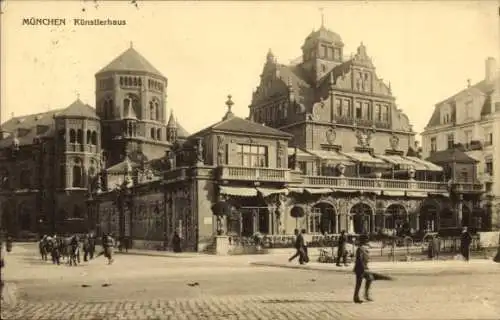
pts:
pixel 254 174
pixel 377 184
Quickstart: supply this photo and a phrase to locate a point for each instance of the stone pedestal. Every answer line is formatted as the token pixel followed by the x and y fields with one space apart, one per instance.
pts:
pixel 221 245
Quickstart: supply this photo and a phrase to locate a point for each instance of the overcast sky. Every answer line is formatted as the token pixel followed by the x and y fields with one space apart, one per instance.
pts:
pixel 427 50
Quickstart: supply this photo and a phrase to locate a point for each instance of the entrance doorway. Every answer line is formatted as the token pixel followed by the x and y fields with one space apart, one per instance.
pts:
pixel 361 214
pixel 323 219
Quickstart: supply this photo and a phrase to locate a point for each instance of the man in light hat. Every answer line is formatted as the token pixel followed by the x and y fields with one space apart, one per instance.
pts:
pixel 361 269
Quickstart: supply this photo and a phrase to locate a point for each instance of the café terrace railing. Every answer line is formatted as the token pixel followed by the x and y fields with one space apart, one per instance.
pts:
pixel 239 173
pixel 254 174
pixel 375 184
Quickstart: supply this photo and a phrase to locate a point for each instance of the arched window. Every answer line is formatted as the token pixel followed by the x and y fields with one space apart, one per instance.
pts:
pixel 140 82
pixel 130 129
pixel 110 108
pixel 135 82
pixel 105 109
pixel 157 110
pixel 62 136
pixel 77 174
pixel 126 106
pixel 158 134
pixel 152 133
pixel 121 81
pixel 130 82
pixel 79 136
pixel 136 106
pixel 25 179
pixel 77 212
pixel 94 138
pixel 152 112
pixel 72 136
pixel 89 136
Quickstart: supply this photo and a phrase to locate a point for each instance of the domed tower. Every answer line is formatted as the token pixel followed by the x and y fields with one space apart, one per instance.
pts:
pixel 77 148
pixel 131 101
pixel 321 52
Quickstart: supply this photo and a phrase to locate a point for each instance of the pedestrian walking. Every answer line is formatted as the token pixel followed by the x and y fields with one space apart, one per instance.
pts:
pixel 91 246
pixel 299 244
pixel 361 270
pixel 176 242
pixel 341 250
pixel 86 247
pixel 305 244
pixel 108 243
pixel 465 242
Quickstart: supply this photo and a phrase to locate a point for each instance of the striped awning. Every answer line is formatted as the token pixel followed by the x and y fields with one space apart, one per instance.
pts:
pixel 397 160
pixel 366 158
pixel 331 156
pixel 422 165
pixel 265 192
pixel 319 191
pixel 300 153
pixel 238 191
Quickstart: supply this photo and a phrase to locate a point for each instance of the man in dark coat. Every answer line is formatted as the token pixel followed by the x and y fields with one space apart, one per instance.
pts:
pixel 341 251
pixel 299 244
pixel 176 242
pixel 465 242
pixel 361 270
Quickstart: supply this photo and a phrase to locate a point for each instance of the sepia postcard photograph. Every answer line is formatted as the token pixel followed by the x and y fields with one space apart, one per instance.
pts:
pixel 249 160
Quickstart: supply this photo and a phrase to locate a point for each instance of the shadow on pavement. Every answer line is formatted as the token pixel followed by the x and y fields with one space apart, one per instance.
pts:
pixel 306 301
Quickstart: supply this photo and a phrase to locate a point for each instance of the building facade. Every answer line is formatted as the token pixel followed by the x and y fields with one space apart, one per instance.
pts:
pixel 49 162
pixel 325 148
pixel 470 121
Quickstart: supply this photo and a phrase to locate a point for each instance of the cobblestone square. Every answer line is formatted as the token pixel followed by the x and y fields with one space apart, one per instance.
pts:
pixel 139 287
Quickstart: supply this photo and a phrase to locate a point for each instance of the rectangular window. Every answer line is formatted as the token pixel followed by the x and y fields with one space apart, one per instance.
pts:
pixel 303 167
pixel 346 108
pixel 366 110
pixel 451 140
pixel 358 112
pixel 488 168
pixel 488 137
pixel 252 155
pixel 385 113
pixel 338 107
pixel 468 110
pixel 433 144
pixel 378 112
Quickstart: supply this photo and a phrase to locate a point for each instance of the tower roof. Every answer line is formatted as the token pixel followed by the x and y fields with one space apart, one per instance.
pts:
pixel 130 60
pixel 78 109
pixel 325 35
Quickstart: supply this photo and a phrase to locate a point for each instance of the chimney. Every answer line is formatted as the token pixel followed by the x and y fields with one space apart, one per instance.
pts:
pixel 490 69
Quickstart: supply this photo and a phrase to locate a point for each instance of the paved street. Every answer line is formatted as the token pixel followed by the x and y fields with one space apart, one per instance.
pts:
pixel 139 287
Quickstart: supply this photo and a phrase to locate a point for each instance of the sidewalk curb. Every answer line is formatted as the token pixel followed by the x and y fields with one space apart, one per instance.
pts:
pixel 161 254
pixel 389 271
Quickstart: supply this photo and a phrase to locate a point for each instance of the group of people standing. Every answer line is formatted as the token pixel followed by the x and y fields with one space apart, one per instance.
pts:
pixel 69 248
